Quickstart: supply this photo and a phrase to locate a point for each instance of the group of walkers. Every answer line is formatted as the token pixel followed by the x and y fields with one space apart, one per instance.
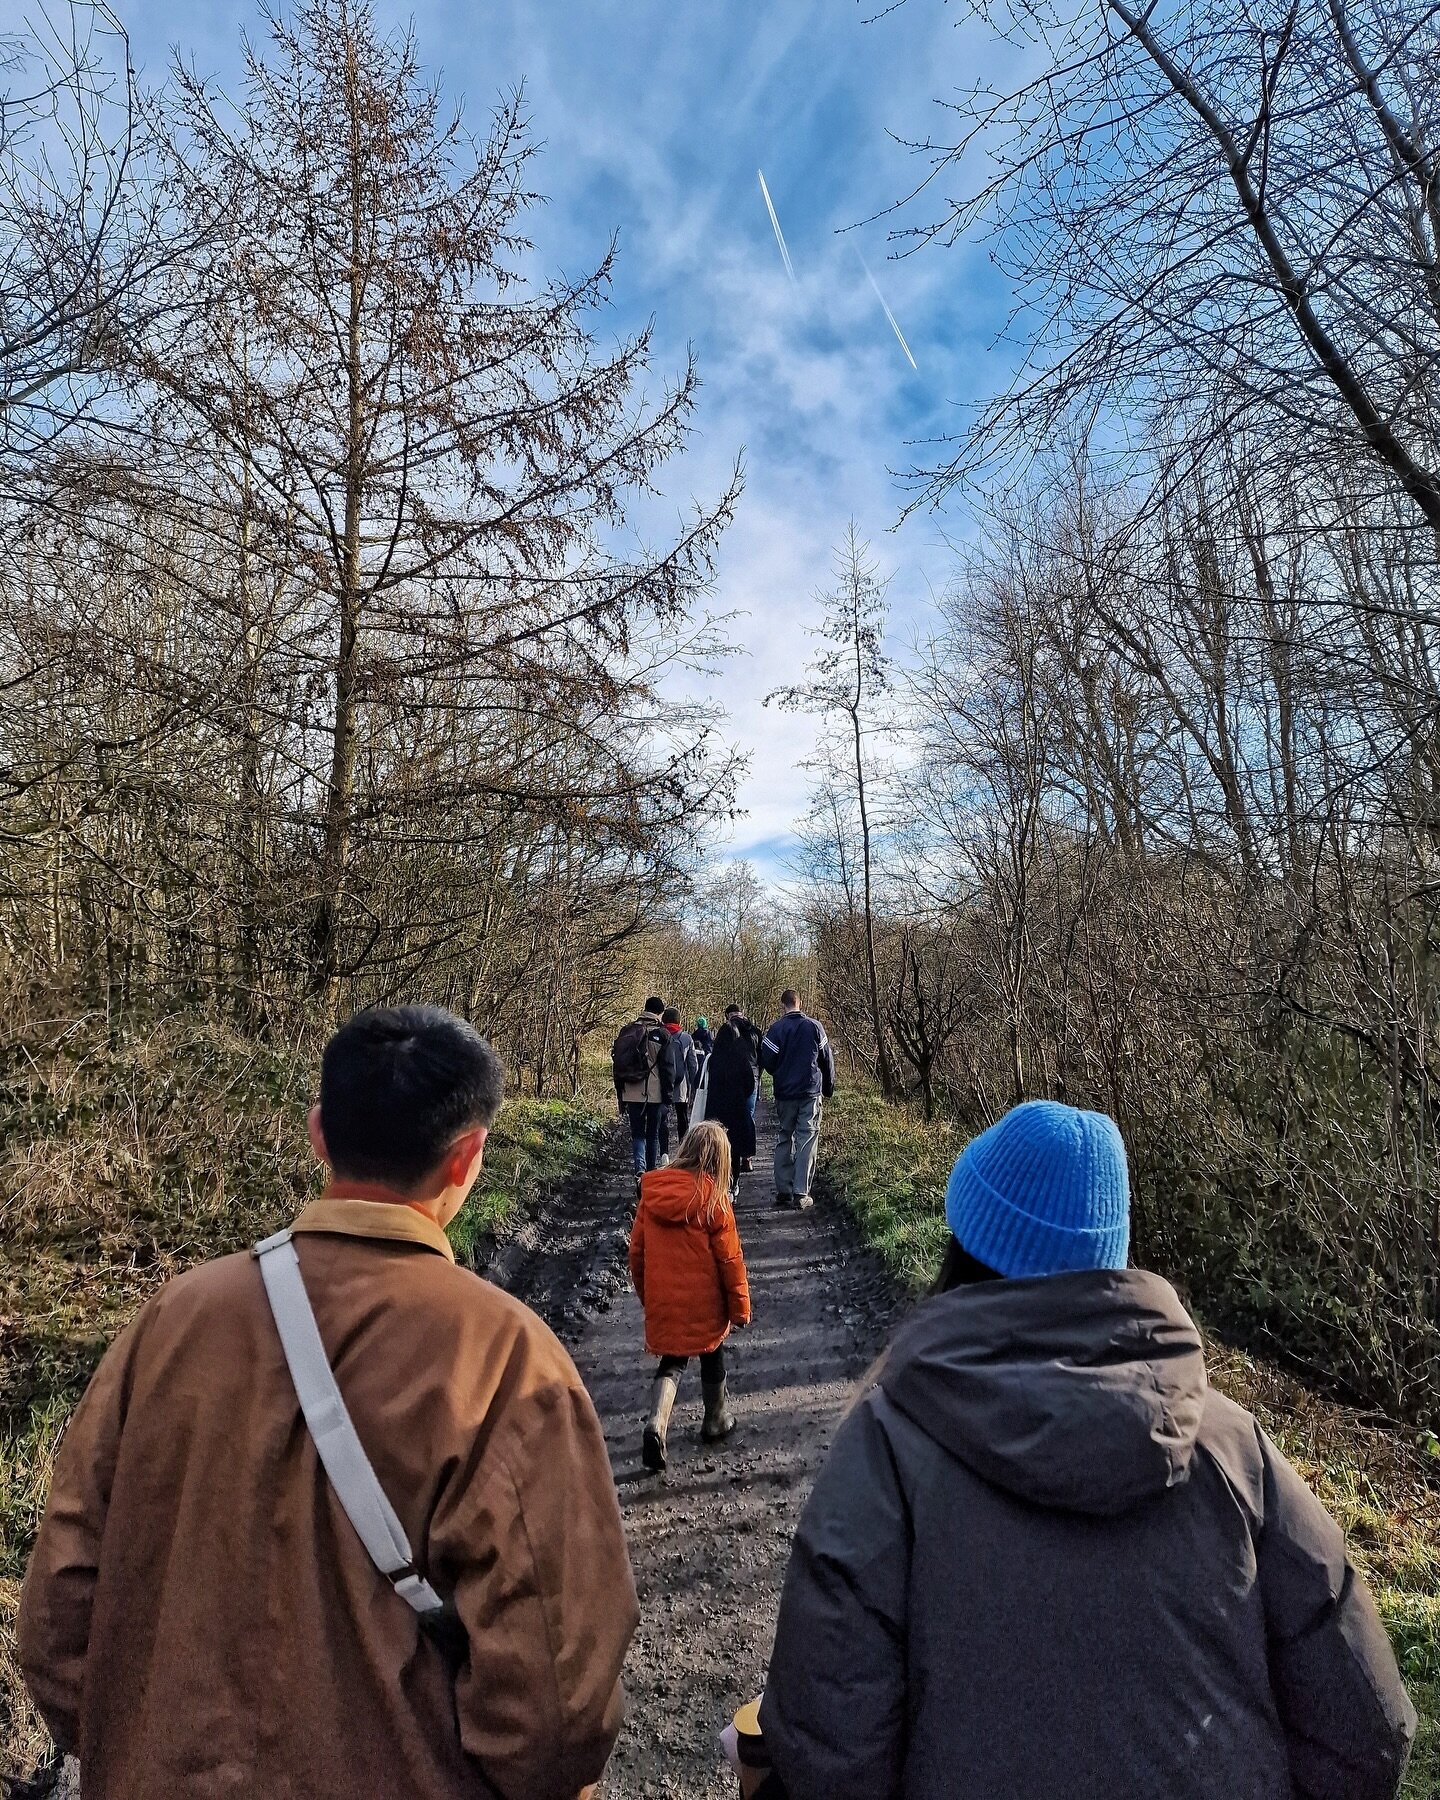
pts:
pixel 659 1066
pixel 686 1259
pixel 335 1516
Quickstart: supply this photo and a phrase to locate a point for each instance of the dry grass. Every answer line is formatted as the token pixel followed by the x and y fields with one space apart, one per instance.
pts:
pixel 24 1738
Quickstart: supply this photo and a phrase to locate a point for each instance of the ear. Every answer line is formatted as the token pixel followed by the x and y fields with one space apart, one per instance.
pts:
pixel 317 1134
pixel 466 1155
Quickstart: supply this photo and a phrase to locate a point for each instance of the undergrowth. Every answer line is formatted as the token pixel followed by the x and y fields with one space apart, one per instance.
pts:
pixel 888 1167
pixel 123 1162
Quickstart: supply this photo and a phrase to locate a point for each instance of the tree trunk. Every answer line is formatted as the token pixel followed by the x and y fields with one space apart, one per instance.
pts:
pixel 882 1048
pixel 335 858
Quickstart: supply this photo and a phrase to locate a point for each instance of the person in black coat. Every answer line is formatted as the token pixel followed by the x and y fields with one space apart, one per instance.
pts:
pixel 732 1082
pixel 750 1037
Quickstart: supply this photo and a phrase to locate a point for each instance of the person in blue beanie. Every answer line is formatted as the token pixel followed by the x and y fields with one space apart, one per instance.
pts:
pixel 1044 1559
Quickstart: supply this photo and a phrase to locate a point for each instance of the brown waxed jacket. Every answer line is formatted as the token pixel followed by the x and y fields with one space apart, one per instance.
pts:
pixel 1044 1559
pixel 199 1616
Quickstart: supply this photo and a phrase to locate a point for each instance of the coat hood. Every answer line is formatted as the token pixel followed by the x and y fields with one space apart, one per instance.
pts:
pixel 1082 1392
pixel 675 1196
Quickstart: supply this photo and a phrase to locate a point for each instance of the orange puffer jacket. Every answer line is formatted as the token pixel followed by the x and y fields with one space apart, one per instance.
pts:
pixel 690 1276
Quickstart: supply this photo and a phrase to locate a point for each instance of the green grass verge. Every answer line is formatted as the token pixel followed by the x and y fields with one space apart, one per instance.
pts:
pixel 888 1167
pixel 534 1146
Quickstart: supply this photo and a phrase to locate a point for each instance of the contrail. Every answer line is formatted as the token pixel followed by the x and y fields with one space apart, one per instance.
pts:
pixel 779 234
pixel 900 335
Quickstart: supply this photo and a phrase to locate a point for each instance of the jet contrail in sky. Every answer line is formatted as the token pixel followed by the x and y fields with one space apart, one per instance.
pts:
pixel 779 234
pixel 888 314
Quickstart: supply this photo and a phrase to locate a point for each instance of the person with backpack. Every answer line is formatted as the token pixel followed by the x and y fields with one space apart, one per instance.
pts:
pixel 643 1064
pixel 704 1042
pixel 1044 1557
pixel 795 1053
pixel 689 1271
pixel 335 1516
pixel 687 1069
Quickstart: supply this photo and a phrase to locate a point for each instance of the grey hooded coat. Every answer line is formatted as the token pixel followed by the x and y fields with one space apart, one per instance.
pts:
pixel 1045 1562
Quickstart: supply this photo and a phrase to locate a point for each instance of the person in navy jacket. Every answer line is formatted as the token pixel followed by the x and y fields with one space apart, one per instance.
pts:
pixel 795 1053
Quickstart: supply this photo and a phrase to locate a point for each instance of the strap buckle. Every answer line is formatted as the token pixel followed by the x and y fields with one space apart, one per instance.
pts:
pixel 416 1591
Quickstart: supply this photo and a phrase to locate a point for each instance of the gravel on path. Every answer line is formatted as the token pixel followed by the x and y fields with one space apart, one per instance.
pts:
pixel 710 1537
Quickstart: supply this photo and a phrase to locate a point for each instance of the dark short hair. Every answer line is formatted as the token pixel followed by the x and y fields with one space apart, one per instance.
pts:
pixel 398 1085
pixel 732 1007
pixel 670 1016
pixel 653 1003
pixel 789 998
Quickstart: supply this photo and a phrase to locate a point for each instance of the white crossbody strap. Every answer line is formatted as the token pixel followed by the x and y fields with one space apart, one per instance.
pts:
pixel 356 1485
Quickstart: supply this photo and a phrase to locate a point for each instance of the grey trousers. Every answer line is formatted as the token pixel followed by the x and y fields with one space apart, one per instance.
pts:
pixel 799 1122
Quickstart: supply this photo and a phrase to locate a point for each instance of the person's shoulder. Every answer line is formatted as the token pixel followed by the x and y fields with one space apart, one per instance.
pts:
pixel 455 1288
pixel 1230 1439
pixel 193 1307
pixel 503 1314
pixel 206 1286
pixel 477 1320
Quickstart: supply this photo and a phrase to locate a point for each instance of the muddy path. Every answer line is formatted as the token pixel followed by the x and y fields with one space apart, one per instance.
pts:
pixel 709 1538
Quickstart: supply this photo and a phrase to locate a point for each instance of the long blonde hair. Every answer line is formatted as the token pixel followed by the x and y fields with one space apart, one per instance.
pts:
pixel 705 1151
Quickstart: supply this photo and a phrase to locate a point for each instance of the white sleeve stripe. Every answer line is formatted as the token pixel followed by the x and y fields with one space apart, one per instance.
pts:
pixel 770 1044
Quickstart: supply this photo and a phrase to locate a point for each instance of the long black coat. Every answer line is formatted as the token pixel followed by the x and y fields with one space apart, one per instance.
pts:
pixel 732 1082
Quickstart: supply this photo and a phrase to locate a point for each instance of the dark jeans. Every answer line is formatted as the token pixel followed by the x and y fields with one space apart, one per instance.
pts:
pixel 712 1366
pixel 647 1133
pixel 682 1116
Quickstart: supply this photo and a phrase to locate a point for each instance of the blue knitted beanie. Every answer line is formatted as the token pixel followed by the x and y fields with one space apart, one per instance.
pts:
pixel 1043 1191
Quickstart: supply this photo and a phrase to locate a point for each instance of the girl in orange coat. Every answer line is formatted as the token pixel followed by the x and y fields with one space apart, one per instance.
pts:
pixel 689 1271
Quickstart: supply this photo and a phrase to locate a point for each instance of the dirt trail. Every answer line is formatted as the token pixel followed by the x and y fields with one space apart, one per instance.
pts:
pixel 709 1538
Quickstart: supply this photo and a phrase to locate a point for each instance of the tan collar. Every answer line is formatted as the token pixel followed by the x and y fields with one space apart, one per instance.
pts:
pixel 374 1219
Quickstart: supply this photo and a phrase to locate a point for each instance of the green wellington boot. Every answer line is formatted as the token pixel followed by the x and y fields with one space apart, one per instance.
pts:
pixel 719 1420
pixel 662 1398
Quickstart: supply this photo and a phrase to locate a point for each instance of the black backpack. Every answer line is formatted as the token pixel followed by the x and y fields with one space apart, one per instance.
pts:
pixel 636 1052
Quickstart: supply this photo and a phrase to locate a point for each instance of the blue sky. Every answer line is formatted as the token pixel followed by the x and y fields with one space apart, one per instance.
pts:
pixel 655 117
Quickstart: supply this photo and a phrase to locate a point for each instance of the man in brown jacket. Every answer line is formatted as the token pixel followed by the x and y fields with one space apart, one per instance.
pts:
pixel 200 1617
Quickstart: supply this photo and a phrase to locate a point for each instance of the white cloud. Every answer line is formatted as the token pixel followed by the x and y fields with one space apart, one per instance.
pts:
pixel 655 119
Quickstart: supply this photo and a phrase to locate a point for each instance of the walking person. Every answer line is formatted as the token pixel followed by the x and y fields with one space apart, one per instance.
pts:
pixel 796 1055
pixel 689 1271
pixel 687 1067
pixel 730 1093
pixel 1043 1557
pixel 750 1035
pixel 642 1063
pixel 704 1042
pixel 201 1615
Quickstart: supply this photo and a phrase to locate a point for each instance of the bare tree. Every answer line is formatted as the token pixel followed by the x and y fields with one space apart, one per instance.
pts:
pixel 83 232
pixel 1170 822
pixel 1213 216
pixel 847 679
pixel 333 667
pixel 435 441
